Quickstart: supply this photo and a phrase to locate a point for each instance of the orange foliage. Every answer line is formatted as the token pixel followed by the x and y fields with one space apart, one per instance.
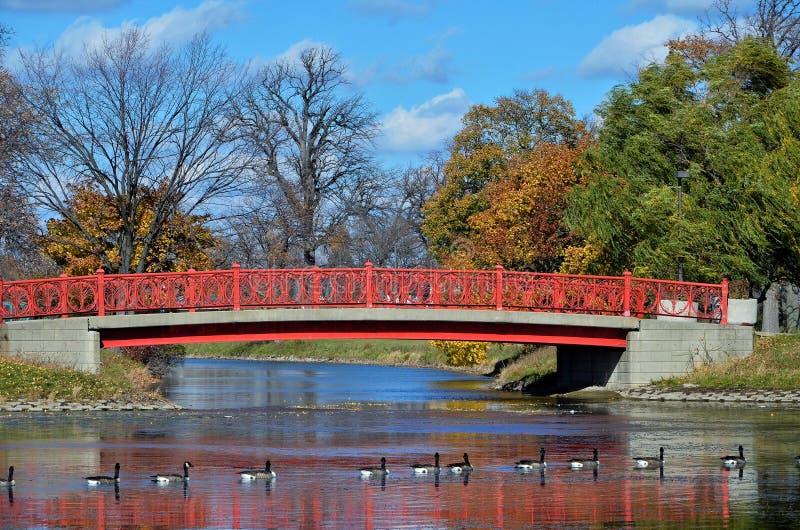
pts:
pixel 179 246
pixel 522 227
pixel 695 49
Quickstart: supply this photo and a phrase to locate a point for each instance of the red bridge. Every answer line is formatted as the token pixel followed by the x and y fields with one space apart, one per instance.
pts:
pixel 603 327
pixel 236 288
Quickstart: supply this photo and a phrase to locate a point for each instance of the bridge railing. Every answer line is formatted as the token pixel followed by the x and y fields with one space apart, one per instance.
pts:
pixel 102 294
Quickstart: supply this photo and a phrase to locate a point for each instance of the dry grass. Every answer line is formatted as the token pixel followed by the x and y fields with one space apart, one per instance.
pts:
pixel 774 364
pixel 118 377
pixel 530 363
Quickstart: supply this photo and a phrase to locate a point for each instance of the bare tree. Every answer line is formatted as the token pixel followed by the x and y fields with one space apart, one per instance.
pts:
pixel 313 142
pixel 385 226
pixel 776 21
pixel 127 117
pixel 19 254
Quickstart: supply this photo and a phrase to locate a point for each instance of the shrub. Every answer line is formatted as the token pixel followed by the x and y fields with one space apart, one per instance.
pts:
pixel 158 359
pixel 462 353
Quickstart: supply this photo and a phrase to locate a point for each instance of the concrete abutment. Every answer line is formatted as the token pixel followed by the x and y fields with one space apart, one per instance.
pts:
pixel 63 342
pixel 658 349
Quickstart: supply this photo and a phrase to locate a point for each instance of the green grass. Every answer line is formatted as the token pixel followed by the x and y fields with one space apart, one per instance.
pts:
pixel 530 364
pixel 384 352
pixel 119 377
pixel 774 365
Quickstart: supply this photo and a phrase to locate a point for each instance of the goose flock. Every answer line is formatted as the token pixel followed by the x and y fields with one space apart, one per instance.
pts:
pixel 462 467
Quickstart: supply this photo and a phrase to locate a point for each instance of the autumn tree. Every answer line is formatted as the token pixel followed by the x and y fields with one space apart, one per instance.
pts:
pixel 523 228
pixel 180 245
pixel 123 119
pixel 487 157
pixel 312 139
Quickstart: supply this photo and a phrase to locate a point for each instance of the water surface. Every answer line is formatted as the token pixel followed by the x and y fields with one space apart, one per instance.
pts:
pixel 318 423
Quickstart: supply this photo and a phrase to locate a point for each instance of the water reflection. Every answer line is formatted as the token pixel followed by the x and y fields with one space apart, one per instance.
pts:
pixel 215 384
pixel 317 449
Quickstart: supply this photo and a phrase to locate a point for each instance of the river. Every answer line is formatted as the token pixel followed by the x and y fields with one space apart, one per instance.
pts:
pixel 319 423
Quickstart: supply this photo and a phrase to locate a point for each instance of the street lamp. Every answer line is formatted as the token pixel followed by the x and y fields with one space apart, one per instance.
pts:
pixel 681 176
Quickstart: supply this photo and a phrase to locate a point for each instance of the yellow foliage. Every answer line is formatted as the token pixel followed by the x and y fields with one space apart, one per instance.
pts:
pixel 579 260
pixel 462 353
pixel 178 247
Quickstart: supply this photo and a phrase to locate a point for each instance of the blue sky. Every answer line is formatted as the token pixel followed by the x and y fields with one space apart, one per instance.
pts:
pixel 420 63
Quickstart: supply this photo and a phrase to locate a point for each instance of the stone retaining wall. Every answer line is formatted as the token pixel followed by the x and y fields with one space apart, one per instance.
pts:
pixel 692 393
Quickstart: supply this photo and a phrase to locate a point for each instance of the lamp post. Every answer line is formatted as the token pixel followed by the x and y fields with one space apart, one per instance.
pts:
pixel 681 176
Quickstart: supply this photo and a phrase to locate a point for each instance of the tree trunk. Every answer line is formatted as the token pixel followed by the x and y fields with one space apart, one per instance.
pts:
pixel 310 257
pixel 770 321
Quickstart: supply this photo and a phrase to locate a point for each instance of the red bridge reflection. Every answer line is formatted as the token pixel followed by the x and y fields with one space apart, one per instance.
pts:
pixel 312 493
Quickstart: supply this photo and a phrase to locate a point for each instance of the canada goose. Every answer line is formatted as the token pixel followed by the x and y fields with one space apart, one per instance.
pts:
pixel 10 481
pixel 375 471
pixel 253 474
pixel 734 461
pixel 797 460
pixel 165 478
pixel 424 469
pixel 642 462
pixel 532 464
pixel 581 463
pixel 104 479
pixel 459 467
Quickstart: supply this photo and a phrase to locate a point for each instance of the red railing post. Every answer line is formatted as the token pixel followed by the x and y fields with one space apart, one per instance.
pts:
pixel 315 289
pixel 498 287
pixel 100 301
pixel 236 293
pixel 437 295
pixel 2 307
pixel 368 283
pixel 191 301
pixel 560 293
pixel 63 295
pixel 724 303
pixel 626 301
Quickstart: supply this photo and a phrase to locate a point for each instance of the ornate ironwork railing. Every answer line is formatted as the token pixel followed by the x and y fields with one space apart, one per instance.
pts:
pixel 237 288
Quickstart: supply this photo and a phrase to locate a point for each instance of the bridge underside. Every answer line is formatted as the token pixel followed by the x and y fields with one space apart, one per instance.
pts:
pixel 353 329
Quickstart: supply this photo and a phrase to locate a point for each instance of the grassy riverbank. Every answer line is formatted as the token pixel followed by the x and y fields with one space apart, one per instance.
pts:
pixel 416 353
pixel 119 378
pixel 774 365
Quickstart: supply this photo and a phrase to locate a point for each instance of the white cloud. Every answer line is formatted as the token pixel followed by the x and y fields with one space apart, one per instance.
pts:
pixel 424 127
pixel 175 27
pixel 293 52
pixel 634 46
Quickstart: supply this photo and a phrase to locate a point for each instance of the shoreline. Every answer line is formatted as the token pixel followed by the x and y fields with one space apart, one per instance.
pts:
pixel 686 393
pixel 689 393
pixel 96 405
